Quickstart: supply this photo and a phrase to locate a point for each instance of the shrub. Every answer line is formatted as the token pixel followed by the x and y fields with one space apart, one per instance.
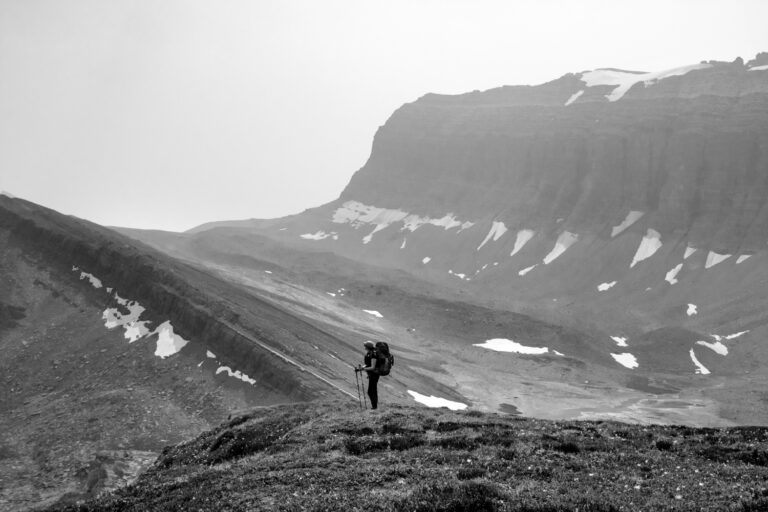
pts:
pixel 455 443
pixel 477 496
pixel 359 446
pixel 566 447
pixel 664 444
pixel 470 473
pixel 507 454
pixel 449 426
pixel 754 457
pixel 354 431
pixel 234 445
pixel 405 442
pixel 498 437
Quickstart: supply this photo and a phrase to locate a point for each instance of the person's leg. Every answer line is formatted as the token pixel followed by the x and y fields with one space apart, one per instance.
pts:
pixel 373 381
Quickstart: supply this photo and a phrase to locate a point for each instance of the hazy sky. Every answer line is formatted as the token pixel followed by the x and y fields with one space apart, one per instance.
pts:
pixel 167 114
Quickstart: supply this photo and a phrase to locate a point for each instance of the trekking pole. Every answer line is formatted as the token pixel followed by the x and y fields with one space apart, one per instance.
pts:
pixel 362 381
pixel 357 382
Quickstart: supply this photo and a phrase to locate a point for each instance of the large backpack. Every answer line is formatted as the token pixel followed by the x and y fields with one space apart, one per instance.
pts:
pixel 386 359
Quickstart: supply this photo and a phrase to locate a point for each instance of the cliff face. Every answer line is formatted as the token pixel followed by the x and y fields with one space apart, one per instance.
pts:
pixel 689 151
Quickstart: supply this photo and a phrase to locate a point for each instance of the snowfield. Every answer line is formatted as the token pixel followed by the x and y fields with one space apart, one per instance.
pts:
pixel 650 243
pixel 714 258
pixel 620 341
pixel 358 214
pixel 700 368
pixel 168 342
pixel 632 217
pixel 236 374
pixel 718 347
pixel 626 359
pixel 505 345
pixel 624 80
pixel 433 401
pixel 497 231
pixel 671 276
pixel 564 241
pixel 523 236
pixel 320 235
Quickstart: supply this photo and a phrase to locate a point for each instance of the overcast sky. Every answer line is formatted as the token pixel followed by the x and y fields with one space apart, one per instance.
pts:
pixel 167 114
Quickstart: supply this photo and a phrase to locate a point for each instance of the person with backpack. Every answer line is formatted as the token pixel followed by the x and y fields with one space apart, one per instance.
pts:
pixel 378 362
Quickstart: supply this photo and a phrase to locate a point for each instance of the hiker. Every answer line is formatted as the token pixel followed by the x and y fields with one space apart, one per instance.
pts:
pixel 372 362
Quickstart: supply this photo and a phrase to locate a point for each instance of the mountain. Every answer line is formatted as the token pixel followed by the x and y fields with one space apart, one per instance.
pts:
pixel 627 208
pixel 112 350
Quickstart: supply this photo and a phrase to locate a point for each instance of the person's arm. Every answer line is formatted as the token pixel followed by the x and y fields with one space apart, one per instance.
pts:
pixel 368 364
pixel 373 365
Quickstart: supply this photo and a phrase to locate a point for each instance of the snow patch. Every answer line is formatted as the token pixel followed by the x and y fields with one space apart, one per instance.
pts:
pixel 700 369
pixel 754 68
pixel 374 313
pixel 168 342
pixel 460 276
pixel 523 236
pixel 714 258
pixel 320 235
pixel 504 345
pixel 624 80
pixel 497 230
pixel 574 97
pixel 236 374
pixel 564 241
pixel 331 294
pixel 718 347
pixel 648 246
pixel 558 353
pixel 402 246
pixel 717 337
pixel 632 217
pixel 210 355
pixel 134 329
pixel 692 309
pixel 426 260
pixel 743 257
pixel 688 251
pixel 267 271
pixel 527 269
pixel 433 401
pixel 620 341
pixel 626 359
pixel 606 286
pixel 358 214
pixel 671 276
pixel 95 282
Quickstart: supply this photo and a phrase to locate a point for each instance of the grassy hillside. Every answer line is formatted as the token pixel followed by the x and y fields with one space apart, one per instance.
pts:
pixel 332 456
